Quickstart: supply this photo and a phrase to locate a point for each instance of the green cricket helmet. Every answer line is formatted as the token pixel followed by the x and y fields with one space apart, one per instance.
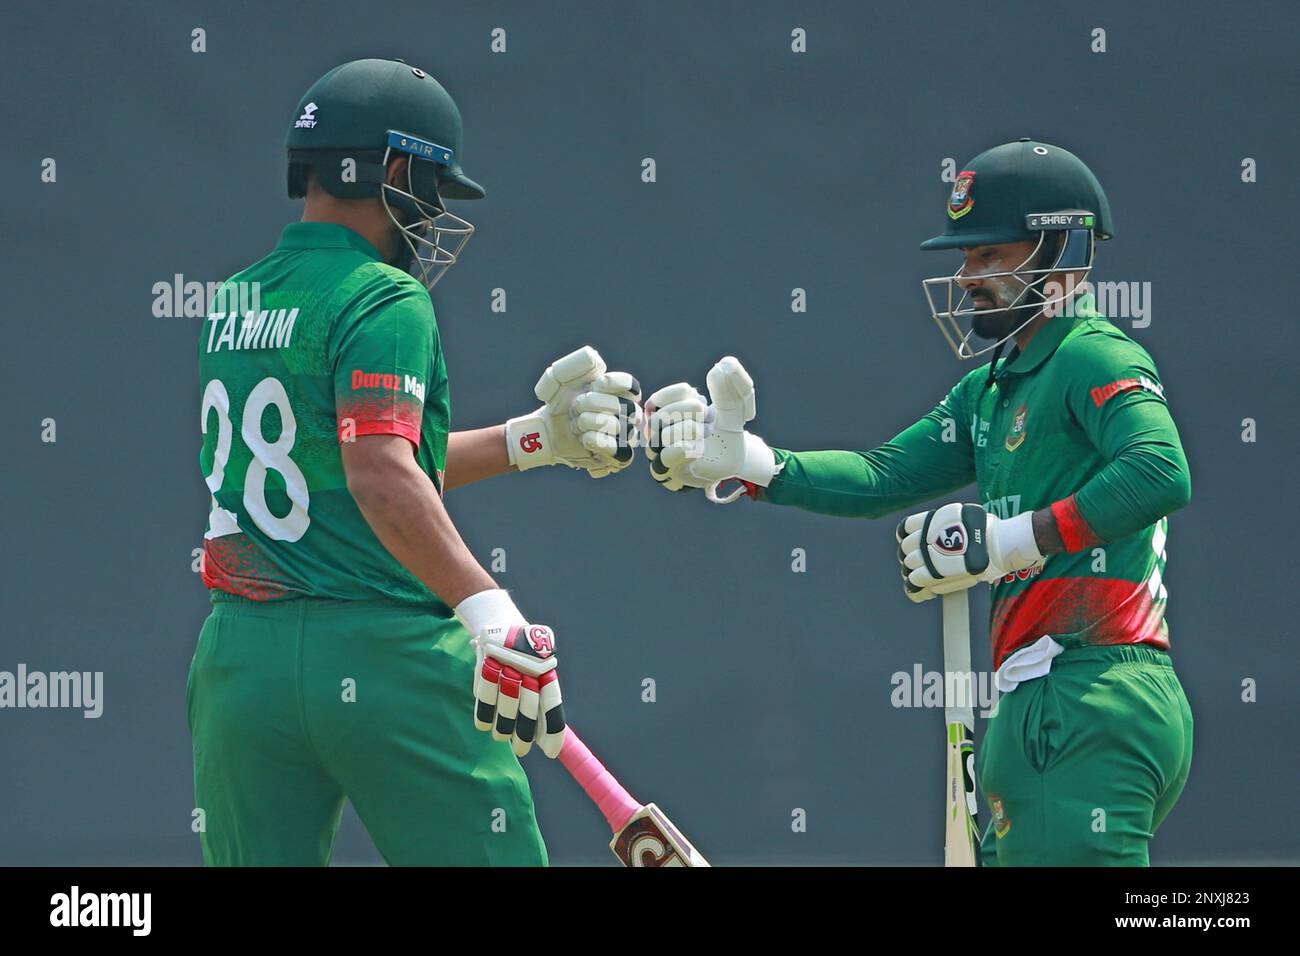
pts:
pixel 357 118
pixel 1019 191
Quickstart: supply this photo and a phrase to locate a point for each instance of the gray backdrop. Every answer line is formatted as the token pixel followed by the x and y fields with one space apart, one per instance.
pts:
pixel 776 170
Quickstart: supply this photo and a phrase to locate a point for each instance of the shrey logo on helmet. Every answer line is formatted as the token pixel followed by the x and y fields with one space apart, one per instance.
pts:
pixel 951 540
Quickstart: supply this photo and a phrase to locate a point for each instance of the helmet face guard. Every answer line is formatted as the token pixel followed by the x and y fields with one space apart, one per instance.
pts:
pixel 433 236
pixel 1021 287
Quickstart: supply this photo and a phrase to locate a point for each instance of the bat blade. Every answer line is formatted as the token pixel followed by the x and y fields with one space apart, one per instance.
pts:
pixel 650 839
pixel 961 835
pixel 961 827
pixel 643 834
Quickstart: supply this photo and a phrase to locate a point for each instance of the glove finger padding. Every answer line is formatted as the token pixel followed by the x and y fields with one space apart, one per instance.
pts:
pixel 677 429
pixel 503 727
pixel 631 418
pixel 612 407
pixel 597 403
pixel 602 422
pixel 608 427
pixel 551 726
pixel 580 365
pixel 678 456
pixel 910 524
pixel 677 392
pixel 620 384
pixel 693 408
pixel 487 678
pixel 526 721
pixel 600 443
pixel 732 391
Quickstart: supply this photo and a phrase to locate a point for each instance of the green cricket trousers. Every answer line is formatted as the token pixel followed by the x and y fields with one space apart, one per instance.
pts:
pixel 295 706
pixel 1081 766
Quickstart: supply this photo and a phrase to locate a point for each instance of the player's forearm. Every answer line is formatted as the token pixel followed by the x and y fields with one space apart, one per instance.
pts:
pixel 929 458
pixel 404 510
pixel 475 455
pixel 841 483
pixel 1047 534
pixel 869 484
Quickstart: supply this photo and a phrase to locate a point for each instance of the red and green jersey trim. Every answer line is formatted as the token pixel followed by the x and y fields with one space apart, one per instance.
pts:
pixel 235 564
pixel 1079 611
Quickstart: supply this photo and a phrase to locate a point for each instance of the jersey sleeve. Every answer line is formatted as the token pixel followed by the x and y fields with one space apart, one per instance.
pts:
pixel 1115 396
pixel 931 457
pixel 382 349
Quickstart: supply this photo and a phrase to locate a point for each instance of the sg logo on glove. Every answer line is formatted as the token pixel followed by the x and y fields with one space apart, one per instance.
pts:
pixel 952 540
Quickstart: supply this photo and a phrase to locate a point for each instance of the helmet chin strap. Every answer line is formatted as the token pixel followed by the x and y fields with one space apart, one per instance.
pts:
pixel 993 366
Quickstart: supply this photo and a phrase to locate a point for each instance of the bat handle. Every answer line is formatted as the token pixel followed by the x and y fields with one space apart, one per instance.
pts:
pixel 607 793
pixel 956 659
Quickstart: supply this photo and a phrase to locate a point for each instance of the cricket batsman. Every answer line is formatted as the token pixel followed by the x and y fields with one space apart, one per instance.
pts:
pixel 356 649
pixel 1067 435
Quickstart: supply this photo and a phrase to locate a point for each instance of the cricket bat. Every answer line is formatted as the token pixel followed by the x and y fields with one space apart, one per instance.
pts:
pixel 643 836
pixel 961 831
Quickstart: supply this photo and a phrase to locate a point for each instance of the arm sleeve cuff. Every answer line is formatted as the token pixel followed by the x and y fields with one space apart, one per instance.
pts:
pixel 1076 533
pixel 390 427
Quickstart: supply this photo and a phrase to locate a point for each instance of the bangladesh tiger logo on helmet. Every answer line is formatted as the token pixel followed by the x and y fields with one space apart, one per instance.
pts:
pixel 961 201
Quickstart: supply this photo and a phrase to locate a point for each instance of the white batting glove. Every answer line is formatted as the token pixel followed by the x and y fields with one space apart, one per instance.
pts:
pixel 590 419
pixel 516 685
pixel 960 545
pixel 696 444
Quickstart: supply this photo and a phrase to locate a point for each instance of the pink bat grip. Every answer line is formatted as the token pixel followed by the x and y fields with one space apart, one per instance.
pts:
pixel 607 793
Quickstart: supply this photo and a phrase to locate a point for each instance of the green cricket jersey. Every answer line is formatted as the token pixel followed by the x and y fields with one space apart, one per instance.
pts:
pixel 340 345
pixel 1077 423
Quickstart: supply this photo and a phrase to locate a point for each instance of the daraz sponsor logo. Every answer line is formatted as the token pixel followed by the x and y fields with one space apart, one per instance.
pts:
pixel 396 383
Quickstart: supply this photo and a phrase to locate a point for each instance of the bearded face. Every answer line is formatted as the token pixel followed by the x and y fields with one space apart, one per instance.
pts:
pixel 1002 303
pixel 1000 294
